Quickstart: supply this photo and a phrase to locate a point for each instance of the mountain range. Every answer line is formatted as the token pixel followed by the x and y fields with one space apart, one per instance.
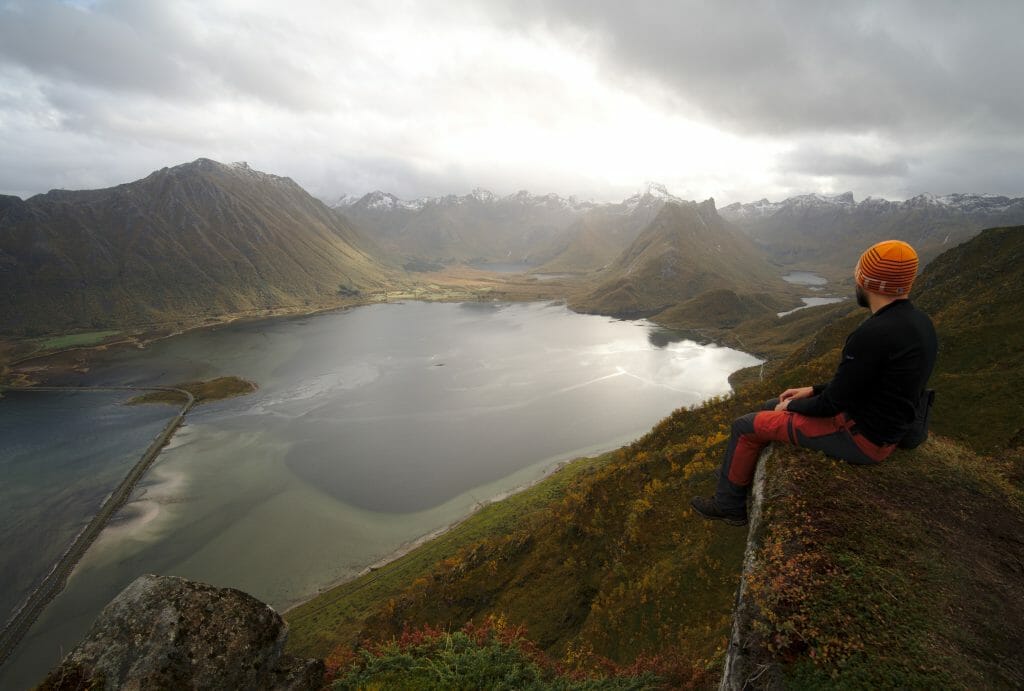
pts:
pixel 476 228
pixel 553 234
pixel 829 232
pixel 547 233
pixel 203 240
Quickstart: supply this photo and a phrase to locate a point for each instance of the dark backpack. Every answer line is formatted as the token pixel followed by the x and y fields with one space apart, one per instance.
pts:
pixel 918 432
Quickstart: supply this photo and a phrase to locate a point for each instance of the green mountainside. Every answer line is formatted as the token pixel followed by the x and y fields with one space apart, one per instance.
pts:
pixel 200 239
pixel 687 250
pixel 907 574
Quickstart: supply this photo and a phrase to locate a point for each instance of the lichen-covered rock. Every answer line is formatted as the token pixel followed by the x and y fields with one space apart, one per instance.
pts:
pixel 170 633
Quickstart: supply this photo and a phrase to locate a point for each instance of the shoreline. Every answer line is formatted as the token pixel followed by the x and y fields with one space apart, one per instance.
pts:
pixel 478 286
pixel 143 337
pixel 414 544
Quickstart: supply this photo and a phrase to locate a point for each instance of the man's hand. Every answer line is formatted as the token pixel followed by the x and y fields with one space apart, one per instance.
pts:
pixel 791 395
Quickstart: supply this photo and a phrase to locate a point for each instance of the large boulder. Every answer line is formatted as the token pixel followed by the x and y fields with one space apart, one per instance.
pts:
pixel 169 633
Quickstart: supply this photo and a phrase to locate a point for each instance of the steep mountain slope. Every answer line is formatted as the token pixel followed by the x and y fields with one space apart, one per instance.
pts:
pixel 603 233
pixel 815 230
pixel 975 292
pixel 906 574
pixel 687 250
pixel 478 227
pixel 199 239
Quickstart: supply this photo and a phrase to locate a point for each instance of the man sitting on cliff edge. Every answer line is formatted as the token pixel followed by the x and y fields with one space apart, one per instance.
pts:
pixel 867 407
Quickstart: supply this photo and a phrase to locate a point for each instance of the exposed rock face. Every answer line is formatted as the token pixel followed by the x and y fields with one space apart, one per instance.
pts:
pixel 170 633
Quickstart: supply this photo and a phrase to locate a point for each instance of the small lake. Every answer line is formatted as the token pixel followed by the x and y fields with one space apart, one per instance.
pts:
pixel 805 278
pixel 813 282
pixel 371 428
pixel 811 302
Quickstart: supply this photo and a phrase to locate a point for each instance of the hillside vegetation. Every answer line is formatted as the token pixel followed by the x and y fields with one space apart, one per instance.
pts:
pixel 904 574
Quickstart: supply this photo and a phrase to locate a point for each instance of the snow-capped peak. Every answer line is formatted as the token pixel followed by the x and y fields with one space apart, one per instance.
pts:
pixel 657 190
pixel 346 200
pixel 979 204
pixel 385 201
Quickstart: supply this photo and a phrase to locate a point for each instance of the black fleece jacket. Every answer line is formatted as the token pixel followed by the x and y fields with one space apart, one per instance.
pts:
pixel 885 366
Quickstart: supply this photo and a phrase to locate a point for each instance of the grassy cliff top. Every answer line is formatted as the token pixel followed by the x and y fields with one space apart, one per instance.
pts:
pixel 907 574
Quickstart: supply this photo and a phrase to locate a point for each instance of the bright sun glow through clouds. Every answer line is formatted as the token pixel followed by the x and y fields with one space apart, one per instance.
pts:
pixel 592 98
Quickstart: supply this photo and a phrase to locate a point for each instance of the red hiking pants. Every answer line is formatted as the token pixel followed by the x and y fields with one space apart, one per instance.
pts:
pixel 835 436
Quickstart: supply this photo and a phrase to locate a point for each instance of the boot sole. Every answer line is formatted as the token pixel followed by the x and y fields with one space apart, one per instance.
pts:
pixel 728 520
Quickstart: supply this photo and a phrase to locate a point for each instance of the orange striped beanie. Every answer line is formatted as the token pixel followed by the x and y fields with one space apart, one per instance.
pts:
pixel 888 268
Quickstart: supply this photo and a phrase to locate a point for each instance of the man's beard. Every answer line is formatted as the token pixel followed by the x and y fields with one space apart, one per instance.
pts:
pixel 862 298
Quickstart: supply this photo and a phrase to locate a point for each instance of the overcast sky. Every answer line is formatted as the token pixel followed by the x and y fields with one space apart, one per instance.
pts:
pixel 731 100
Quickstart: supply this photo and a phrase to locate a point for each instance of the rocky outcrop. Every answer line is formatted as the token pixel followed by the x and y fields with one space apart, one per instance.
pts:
pixel 742 671
pixel 170 633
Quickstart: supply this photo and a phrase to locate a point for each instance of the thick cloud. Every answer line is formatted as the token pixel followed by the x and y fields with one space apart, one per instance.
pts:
pixel 588 97
pixel 844 67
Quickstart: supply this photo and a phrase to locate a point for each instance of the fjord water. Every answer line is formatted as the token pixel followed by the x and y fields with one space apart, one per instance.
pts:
pixel 370 429
pixel 61 453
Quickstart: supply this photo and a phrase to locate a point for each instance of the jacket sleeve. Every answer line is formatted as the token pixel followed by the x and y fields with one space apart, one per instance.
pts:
pixel 855 372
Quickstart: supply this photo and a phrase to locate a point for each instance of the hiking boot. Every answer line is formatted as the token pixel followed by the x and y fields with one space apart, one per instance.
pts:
pixel 708 508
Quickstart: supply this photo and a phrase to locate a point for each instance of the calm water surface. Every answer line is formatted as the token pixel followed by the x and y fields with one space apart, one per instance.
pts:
pixel 805 278
pixel 61 454
pixel 811 281
pixel 371 428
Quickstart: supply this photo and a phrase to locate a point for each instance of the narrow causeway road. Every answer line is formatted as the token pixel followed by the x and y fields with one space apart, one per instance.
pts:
pixel 22 621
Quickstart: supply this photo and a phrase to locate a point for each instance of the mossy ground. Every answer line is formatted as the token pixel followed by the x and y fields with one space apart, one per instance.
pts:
pixel 907 574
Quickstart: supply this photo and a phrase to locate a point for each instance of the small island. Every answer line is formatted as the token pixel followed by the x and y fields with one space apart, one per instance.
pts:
pixel 204 391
